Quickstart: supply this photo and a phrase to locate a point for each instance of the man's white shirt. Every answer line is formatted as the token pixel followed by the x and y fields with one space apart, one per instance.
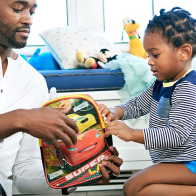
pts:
pixel 21 87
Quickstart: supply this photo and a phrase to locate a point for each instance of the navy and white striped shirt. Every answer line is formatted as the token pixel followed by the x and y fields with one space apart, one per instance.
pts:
pixel 171 136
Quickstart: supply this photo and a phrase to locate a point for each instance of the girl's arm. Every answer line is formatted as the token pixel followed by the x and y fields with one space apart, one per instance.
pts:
pixel 124 132
pixel 133 108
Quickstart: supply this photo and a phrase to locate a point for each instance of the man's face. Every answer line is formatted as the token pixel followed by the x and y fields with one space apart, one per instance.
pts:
pixel 15 22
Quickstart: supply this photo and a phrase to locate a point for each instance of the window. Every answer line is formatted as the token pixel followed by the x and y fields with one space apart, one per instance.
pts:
pixel 116 11
pixel 104 15
pixel 48 14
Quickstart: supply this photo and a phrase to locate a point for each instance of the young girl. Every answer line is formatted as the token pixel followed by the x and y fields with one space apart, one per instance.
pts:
pixel 170 41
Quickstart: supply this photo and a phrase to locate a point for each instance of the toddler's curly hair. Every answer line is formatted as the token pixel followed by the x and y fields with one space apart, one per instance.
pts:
pixel 177 27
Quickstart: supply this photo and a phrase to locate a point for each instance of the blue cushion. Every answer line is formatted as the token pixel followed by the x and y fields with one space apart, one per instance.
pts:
pixel 84 79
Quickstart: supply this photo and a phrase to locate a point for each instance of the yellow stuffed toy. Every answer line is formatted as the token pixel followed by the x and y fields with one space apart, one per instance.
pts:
pixel 135 44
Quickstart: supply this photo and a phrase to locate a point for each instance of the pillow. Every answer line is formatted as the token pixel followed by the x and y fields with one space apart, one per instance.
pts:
pixel 64 42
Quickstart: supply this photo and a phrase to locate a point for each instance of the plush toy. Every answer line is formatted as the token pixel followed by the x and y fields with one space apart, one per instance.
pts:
pixel 102 58
pixel 43 61
pixel 135 44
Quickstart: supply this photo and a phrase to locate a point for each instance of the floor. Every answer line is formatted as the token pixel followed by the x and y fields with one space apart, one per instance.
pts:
pixel 99 193
pixel 102 190
pixel 90 193
pixel 113 189
pixel 93 193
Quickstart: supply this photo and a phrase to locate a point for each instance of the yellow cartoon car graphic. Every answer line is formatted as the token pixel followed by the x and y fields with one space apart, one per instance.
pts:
pixel 83 122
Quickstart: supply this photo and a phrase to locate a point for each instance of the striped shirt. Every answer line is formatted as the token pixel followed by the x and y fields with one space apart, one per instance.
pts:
pixel 171 136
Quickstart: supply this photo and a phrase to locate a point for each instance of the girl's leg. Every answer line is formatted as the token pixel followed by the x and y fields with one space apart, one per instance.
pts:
pixel 171 179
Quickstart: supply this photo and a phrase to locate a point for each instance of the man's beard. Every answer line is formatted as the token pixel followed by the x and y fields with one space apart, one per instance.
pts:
pixel 9 34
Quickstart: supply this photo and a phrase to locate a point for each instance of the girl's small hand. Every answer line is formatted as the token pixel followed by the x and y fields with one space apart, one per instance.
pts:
pixel 106 113
pixel 119 129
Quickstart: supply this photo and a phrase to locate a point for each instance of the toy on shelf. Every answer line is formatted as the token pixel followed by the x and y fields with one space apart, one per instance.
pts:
pixel 102 58
pixel 135 44
pixel 42 61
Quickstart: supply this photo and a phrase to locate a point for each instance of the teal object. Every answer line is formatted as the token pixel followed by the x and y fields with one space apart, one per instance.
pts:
pixel 137 74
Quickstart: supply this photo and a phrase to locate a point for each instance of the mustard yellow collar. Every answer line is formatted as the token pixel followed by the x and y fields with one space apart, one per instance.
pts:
pixel 168 84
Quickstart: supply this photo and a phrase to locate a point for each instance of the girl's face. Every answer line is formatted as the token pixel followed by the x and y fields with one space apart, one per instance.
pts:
pixel 163 58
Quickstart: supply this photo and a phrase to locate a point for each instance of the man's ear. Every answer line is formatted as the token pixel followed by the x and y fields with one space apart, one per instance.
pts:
pixel 186 52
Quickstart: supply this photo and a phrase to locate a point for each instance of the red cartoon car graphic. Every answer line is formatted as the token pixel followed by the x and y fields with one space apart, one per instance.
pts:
pixel 89 144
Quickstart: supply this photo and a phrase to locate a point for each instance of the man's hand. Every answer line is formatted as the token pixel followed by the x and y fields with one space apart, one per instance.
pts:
pixel 49 124
pixel 113 162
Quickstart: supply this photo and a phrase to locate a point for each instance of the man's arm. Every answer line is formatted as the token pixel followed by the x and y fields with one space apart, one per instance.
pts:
pixel 46 123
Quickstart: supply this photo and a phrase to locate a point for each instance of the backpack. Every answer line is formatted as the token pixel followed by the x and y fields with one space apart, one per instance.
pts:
pixel 79 164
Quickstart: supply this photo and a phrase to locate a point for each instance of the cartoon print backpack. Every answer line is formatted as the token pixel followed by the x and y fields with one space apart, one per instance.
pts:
pixel 79 164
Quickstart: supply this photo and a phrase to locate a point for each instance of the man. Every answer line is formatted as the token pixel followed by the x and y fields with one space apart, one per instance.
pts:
pixel 21 89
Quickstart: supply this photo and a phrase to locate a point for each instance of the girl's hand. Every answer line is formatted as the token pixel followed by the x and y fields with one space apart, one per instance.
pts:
pixel 119 129
pixel 110 114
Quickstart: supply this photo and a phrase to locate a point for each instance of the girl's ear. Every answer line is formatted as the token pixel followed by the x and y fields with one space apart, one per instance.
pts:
pixel 186 52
